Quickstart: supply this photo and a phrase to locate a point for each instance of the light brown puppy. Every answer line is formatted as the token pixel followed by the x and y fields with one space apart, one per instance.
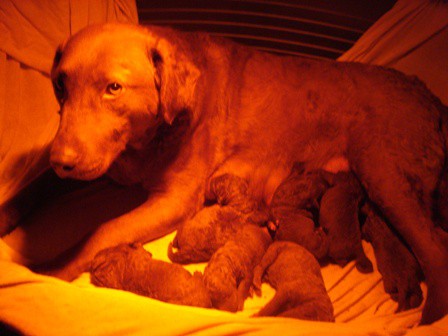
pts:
pixel 130 267
pixel 170 110
pixel 198 238
pixel 300 290
pixel 228 276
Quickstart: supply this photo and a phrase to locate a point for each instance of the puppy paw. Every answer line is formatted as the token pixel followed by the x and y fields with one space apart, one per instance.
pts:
pixel 320 244
pixel 257 280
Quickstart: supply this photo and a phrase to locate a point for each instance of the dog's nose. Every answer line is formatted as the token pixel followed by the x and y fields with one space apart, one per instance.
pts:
pixel 64 161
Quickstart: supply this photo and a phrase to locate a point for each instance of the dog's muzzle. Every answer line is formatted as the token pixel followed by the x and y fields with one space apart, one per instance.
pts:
pixel 64 161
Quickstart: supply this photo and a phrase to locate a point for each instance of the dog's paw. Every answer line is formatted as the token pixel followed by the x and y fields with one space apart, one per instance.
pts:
pixel 62 274
pixel 320 244
pixel 363 264
pixel 403 285
pixel 62 268
pixel 406 296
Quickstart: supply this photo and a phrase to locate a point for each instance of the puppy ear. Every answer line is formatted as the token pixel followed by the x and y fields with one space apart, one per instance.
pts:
pixel 175 79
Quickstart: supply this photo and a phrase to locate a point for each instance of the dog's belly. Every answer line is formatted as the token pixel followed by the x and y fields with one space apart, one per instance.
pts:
pixel 272 163
pixel 337 164
pixel 334 165
pixel 316 151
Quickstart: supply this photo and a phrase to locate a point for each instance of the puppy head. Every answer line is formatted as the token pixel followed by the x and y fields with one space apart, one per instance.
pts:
pixel 111 266
pixel 115 85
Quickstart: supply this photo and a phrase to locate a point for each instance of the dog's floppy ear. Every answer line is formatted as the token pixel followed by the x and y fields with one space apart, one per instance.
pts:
pixel 175 78
pixel 57 57
pixel 58 85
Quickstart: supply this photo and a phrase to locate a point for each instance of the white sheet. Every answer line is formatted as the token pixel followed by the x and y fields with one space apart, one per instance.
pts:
pixel 39 305
pixel 34 302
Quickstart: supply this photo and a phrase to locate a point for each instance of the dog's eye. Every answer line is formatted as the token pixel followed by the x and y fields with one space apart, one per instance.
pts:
pixel 114 89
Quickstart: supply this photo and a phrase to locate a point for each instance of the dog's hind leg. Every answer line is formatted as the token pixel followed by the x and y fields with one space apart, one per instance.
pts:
pixel 268 259
pixel 398 266
pixel 401 186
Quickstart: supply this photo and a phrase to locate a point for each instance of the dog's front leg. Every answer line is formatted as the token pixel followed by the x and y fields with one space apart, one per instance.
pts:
pixel 158 216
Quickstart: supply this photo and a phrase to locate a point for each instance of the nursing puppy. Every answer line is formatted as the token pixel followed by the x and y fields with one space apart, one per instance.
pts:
pixel 295 275
pixel 132 268
pixel 294 208
pixel 198 238
pixel 169 110
pixel 339 217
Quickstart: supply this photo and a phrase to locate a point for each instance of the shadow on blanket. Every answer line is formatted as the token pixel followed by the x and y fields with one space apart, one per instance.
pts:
pixel 67 212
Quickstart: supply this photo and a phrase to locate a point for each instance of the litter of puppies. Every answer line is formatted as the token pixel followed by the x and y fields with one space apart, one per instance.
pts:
pixel 314 216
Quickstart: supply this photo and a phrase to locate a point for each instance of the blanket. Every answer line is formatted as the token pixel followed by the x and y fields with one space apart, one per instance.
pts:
pixel 36 304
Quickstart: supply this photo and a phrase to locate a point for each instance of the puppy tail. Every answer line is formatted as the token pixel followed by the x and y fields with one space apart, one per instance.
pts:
pixel 186 256
pixel 176 257
pixel 277 305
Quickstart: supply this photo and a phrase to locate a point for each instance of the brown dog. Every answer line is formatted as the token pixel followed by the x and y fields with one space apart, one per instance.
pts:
pixel 132 268
pixel 300 290
pixel 170 109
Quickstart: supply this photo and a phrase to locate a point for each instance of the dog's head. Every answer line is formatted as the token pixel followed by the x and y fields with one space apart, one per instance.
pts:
pixel 115 85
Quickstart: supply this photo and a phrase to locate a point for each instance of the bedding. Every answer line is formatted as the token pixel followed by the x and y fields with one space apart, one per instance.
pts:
pixel 34 304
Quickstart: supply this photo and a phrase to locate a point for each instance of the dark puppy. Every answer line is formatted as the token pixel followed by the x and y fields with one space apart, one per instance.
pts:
pixel 295 275
pixel 228 276
pixel 294 205
pixel 397 265
pixel 131 268
pixel 197 239
pixel 339 217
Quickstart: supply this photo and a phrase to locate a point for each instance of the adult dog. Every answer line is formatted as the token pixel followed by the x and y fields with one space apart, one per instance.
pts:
pixel 171 110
